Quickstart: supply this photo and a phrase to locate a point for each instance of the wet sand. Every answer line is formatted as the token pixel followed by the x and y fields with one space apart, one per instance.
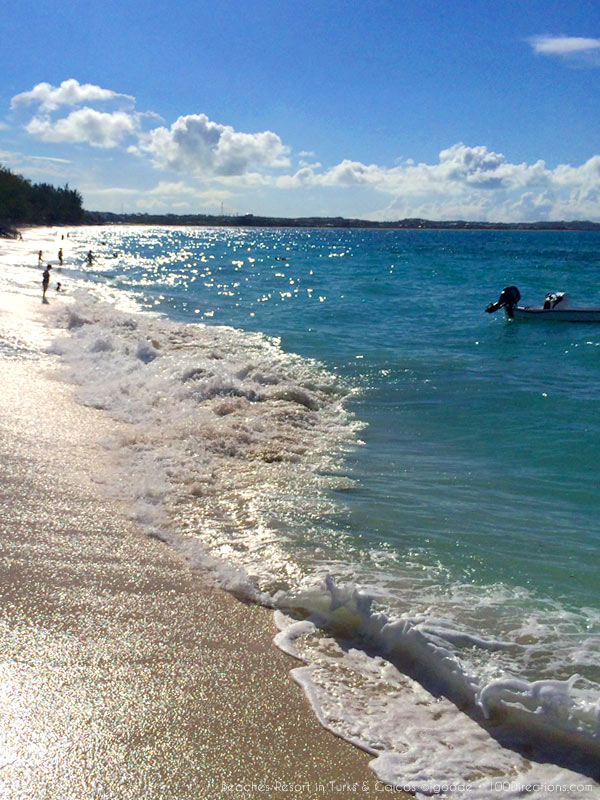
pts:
pixel 124 674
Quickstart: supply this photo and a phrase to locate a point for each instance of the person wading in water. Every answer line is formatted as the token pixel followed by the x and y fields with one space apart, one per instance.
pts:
pixel 45 282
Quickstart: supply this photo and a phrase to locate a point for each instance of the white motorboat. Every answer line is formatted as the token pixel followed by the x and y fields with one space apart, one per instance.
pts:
pixel 556 308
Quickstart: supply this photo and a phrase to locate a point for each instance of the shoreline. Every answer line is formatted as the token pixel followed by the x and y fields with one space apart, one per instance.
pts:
pixel 129 674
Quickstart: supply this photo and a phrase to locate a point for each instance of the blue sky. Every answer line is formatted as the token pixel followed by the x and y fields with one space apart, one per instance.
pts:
pixel 380 109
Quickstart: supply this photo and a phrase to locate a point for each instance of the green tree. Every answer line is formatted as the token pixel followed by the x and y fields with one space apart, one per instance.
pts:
pixel 40 203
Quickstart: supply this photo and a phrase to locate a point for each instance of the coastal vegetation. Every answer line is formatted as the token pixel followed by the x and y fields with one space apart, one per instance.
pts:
pixel 252 221
pixel 24 202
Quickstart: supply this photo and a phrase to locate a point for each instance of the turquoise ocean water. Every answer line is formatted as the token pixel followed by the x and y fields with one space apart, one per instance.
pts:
pixel 442 462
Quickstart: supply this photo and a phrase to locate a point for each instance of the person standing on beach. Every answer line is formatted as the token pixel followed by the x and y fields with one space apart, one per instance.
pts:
pixel 90 257
pixel 45 281
pixel 60 256
pixel 40 257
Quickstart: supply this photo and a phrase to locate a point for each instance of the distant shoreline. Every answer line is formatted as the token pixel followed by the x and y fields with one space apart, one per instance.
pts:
pixel 11 230
pixel 252 221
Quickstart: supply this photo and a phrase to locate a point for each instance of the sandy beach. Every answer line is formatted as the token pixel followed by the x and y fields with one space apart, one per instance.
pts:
pixel 125 674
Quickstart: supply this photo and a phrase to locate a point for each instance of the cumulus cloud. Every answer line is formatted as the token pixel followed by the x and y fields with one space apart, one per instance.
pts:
pixel 459 166
pixel 97 128
pixel 54 122
pixel 70 92
pixel 467 183
pixel 195 144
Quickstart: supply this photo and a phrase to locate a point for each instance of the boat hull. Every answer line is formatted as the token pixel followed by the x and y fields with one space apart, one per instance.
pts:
pixel 556 314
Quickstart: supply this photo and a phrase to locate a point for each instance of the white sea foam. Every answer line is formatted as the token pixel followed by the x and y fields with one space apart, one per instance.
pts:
pixel 229 436
pixel 429 722
pixel 231 449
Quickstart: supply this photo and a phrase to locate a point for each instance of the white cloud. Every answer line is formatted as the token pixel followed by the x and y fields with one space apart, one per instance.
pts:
pixel 574 50
pixel 97 128
pixel 195 144
pixel 165 196
pixel 459 167
pixel 562 45
pixel 178 193
pixel 102 129
pixel 467 183
pixel 173 189
pixel 181 197
pixel 167 190
pixel 51 159
pixel 70 92
pixel 38 167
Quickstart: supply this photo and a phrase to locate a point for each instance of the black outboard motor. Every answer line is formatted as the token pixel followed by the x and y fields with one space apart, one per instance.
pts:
pixel 509 297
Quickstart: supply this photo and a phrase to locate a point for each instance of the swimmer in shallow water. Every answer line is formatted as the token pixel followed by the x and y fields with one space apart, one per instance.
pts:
pixel 45 281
